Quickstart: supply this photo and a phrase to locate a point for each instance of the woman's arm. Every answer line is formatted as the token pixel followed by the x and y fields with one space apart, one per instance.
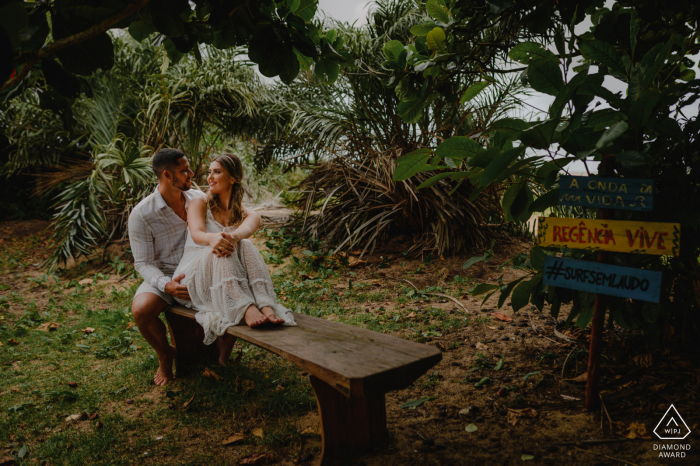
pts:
pixel 196 219
pixel 248 226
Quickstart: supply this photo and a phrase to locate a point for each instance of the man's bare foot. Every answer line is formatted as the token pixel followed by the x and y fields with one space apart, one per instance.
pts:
pixel 165 367
pixel 225 344
pixel 271 316
pixel 254 318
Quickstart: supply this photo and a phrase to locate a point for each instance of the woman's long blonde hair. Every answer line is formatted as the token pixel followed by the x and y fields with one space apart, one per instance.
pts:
pixel 233 168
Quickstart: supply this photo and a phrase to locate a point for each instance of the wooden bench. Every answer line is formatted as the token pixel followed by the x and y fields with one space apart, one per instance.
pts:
pixel 350 370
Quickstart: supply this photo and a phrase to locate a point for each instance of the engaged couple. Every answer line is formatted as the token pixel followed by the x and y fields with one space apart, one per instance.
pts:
pixel 192 248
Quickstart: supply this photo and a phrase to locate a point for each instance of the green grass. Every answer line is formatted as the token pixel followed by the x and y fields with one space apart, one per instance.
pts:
pixel 114 365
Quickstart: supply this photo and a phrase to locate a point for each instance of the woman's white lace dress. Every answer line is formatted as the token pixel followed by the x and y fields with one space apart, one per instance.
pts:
pixel 222 288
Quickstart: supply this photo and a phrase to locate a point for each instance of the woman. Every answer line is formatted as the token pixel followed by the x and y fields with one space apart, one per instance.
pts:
pixel 225 274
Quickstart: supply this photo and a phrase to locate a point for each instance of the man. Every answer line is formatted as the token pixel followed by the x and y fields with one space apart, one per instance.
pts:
pixel 157 230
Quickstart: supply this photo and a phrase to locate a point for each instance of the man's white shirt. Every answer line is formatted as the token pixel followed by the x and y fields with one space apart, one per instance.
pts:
pixel 157 236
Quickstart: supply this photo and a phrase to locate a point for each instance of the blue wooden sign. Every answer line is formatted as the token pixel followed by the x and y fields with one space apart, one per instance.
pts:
pixel 625 282
pixel 606 193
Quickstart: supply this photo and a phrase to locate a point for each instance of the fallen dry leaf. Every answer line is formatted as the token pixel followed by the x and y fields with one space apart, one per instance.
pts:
pixel 85 281
pixel 643 360
pixel 6 460
pixel 88 330
pixel 480 346
pixel 258 432
pixel 310 431
pixel 12 341
pixel 411 315
pixel 247 385
pixel 76 417
pixel 306 276
pixel 210 374
pixel 637 430
pixel 515 414
pixel 191 400
pixel 354 262
pixel 502 317
pixel 492 328
pixel 48 326
pixel 238 358
pixel 258 458
pixel 1 344
pixel 234 438
pixel 130 325
pixel 73 384
pixel 16 390
pixel 582 378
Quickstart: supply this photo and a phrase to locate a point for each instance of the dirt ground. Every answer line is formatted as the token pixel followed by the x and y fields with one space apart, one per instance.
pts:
pixel 532 407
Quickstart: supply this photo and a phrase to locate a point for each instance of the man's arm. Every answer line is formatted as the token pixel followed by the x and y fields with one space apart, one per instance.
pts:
pixel 143 249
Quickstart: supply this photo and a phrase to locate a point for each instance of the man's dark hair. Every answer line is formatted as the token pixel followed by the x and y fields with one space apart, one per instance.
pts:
pixel 166 159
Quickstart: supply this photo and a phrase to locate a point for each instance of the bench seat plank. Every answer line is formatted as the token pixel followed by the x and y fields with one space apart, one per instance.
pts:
pixel 348 358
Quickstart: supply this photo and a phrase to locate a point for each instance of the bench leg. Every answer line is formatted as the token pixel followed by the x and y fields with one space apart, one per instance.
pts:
pixel 350 427
pixel 188 338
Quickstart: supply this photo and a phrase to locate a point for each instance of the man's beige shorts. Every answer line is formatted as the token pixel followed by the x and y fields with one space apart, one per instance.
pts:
pixel 148 288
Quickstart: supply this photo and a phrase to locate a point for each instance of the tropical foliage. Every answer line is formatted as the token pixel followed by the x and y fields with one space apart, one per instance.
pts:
pixel 98 162
pixel 641 132
pixel 355 133
pixel 63 40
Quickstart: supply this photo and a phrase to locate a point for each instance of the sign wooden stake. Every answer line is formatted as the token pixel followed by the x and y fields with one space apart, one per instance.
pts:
pixel 593 376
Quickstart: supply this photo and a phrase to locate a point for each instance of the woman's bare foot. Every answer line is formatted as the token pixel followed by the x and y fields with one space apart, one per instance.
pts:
pixel 165 367
pixel 225 344
pixel 271 316
pixel 254 318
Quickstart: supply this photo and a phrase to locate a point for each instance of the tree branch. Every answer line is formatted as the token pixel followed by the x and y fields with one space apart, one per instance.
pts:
pixel 89 33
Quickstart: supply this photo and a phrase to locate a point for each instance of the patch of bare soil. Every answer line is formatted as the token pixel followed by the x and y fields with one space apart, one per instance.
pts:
pixel 22 228
pixel 518 417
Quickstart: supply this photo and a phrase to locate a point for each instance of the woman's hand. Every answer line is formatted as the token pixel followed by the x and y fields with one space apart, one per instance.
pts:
pixel 223 244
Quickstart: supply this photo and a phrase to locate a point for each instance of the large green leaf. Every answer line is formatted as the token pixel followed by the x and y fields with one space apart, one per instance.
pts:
pixel 482 288
pixel 604 53
pixel 473 91
pixel 65 83
pixel 264 49
pixel 519 204
pixel 438 10
pixel 525 52
pixel 141 29
pixel 458 147
pixel 423 29
pixel 392 50
pixel 545 201
pixel 537 256
pixel 633 160
pixel 327 71
pixel 434 179
pixel 411 110
pixel 545 76
pixel 498 165
pixel 436 40
pixel 13 19
pixel 609 136
pixel 88 56
pixel 512 126
pixel 290 65
pixel 411 163
pixel 307 9
pixel 565 95
pixel 641 109
pixel 522 292
pixel 506 290
pixel 540 136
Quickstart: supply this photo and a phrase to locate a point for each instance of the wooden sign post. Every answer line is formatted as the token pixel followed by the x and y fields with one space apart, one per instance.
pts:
pixel 602 235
